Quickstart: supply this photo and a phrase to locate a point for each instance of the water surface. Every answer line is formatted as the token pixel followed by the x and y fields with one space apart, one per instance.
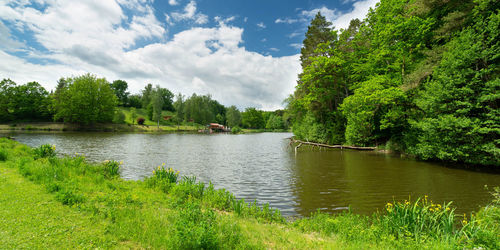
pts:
pixel 263 167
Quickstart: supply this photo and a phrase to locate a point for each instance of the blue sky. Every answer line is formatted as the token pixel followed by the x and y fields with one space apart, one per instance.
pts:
pixel 243 53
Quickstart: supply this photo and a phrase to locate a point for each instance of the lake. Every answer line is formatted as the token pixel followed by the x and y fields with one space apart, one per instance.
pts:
pixel 265 168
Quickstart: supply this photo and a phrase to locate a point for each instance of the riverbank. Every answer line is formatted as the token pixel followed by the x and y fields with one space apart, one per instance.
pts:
pixel 101 210
pixel 105 127
pixel 109 127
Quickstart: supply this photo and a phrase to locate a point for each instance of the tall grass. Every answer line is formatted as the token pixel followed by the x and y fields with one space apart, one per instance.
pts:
pixel 421 218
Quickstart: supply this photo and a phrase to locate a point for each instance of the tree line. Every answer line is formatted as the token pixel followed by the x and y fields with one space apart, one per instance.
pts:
pixel 417 76
pixel 88 99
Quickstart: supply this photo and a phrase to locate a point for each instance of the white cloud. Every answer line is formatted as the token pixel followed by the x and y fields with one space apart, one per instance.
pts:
pixel 190 13
pixel 221 20
pixel 173 2
pixel 286 20
pixel 261 25
pixel 8 43
pixel 339 19
pixel 327 13
pixel 359 10
pixel 294 34
pixel 296 45
pixel 274 49
pixel 102 40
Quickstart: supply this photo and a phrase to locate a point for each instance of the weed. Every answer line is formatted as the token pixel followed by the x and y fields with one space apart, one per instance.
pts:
pixel 112 168
pixel 3 154
pixel 417 219
pixel 45 151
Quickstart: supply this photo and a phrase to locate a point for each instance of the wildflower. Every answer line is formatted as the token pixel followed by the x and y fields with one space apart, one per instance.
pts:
pixel 163 164
pixel 121 162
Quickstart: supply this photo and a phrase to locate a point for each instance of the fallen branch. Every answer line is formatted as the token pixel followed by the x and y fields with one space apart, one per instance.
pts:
pixel 330 146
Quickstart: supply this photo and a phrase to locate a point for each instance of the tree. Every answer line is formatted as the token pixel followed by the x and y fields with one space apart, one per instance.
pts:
pixel 23 102
pixel 147 95
pixel 135 101
pixel 6 93
pixel 274 122
pixel 252 118
pixel 86 100
pixel 167 98
pixel 318 32
pixel 120 88
pixel 179 108
pixel 30 102
pixel 133 114
pixel 460 106
pixel 233 116
pixel 157 104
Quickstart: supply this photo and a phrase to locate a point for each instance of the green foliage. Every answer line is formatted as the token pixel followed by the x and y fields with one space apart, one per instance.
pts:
pixel 233 116
pixel 460 113
pixel 274 122
pixel 133 114
pixel 318 32
pixel 85 100
pixel 481 231
pixel 201 109
pixel 112 168
pixel 252 118
pixel 119 117
pixel 44 151
pixel 418 219
pixel 235 130
pixel 422 75
pixel 157 103
pixel 135 101
pixel 372 112
pixel 3 154
pixel 309 129
pixel 120 88
pixel 29 102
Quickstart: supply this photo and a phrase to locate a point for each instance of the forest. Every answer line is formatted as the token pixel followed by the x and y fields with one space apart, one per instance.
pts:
pixel 90 100
pixel 419 77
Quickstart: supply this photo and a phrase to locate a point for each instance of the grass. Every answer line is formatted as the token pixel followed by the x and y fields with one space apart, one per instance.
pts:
pixel 50 202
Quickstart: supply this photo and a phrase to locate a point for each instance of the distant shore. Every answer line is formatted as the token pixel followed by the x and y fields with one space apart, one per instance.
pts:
pixel 107 127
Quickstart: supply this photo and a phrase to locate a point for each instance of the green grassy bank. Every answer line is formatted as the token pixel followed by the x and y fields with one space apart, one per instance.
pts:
pixel 51 202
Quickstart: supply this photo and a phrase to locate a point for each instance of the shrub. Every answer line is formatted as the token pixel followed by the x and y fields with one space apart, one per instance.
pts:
pixel 3 154
pixel 418 219
pixel 112 168
pixel 45 151
pixel 141 120
pixel 235 130
pixel 163 178
pixel 69 197
pixel 119 117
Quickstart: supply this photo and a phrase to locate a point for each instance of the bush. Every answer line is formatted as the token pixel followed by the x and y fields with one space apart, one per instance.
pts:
pixel 235 130
pixel 3 154
pixel 141 120
pixel 418 219
pixel 119 117
pixel 163 178
pixel 112 168
pixel 45 151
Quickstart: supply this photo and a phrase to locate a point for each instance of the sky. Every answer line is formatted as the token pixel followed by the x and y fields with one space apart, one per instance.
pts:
pixel 241 52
